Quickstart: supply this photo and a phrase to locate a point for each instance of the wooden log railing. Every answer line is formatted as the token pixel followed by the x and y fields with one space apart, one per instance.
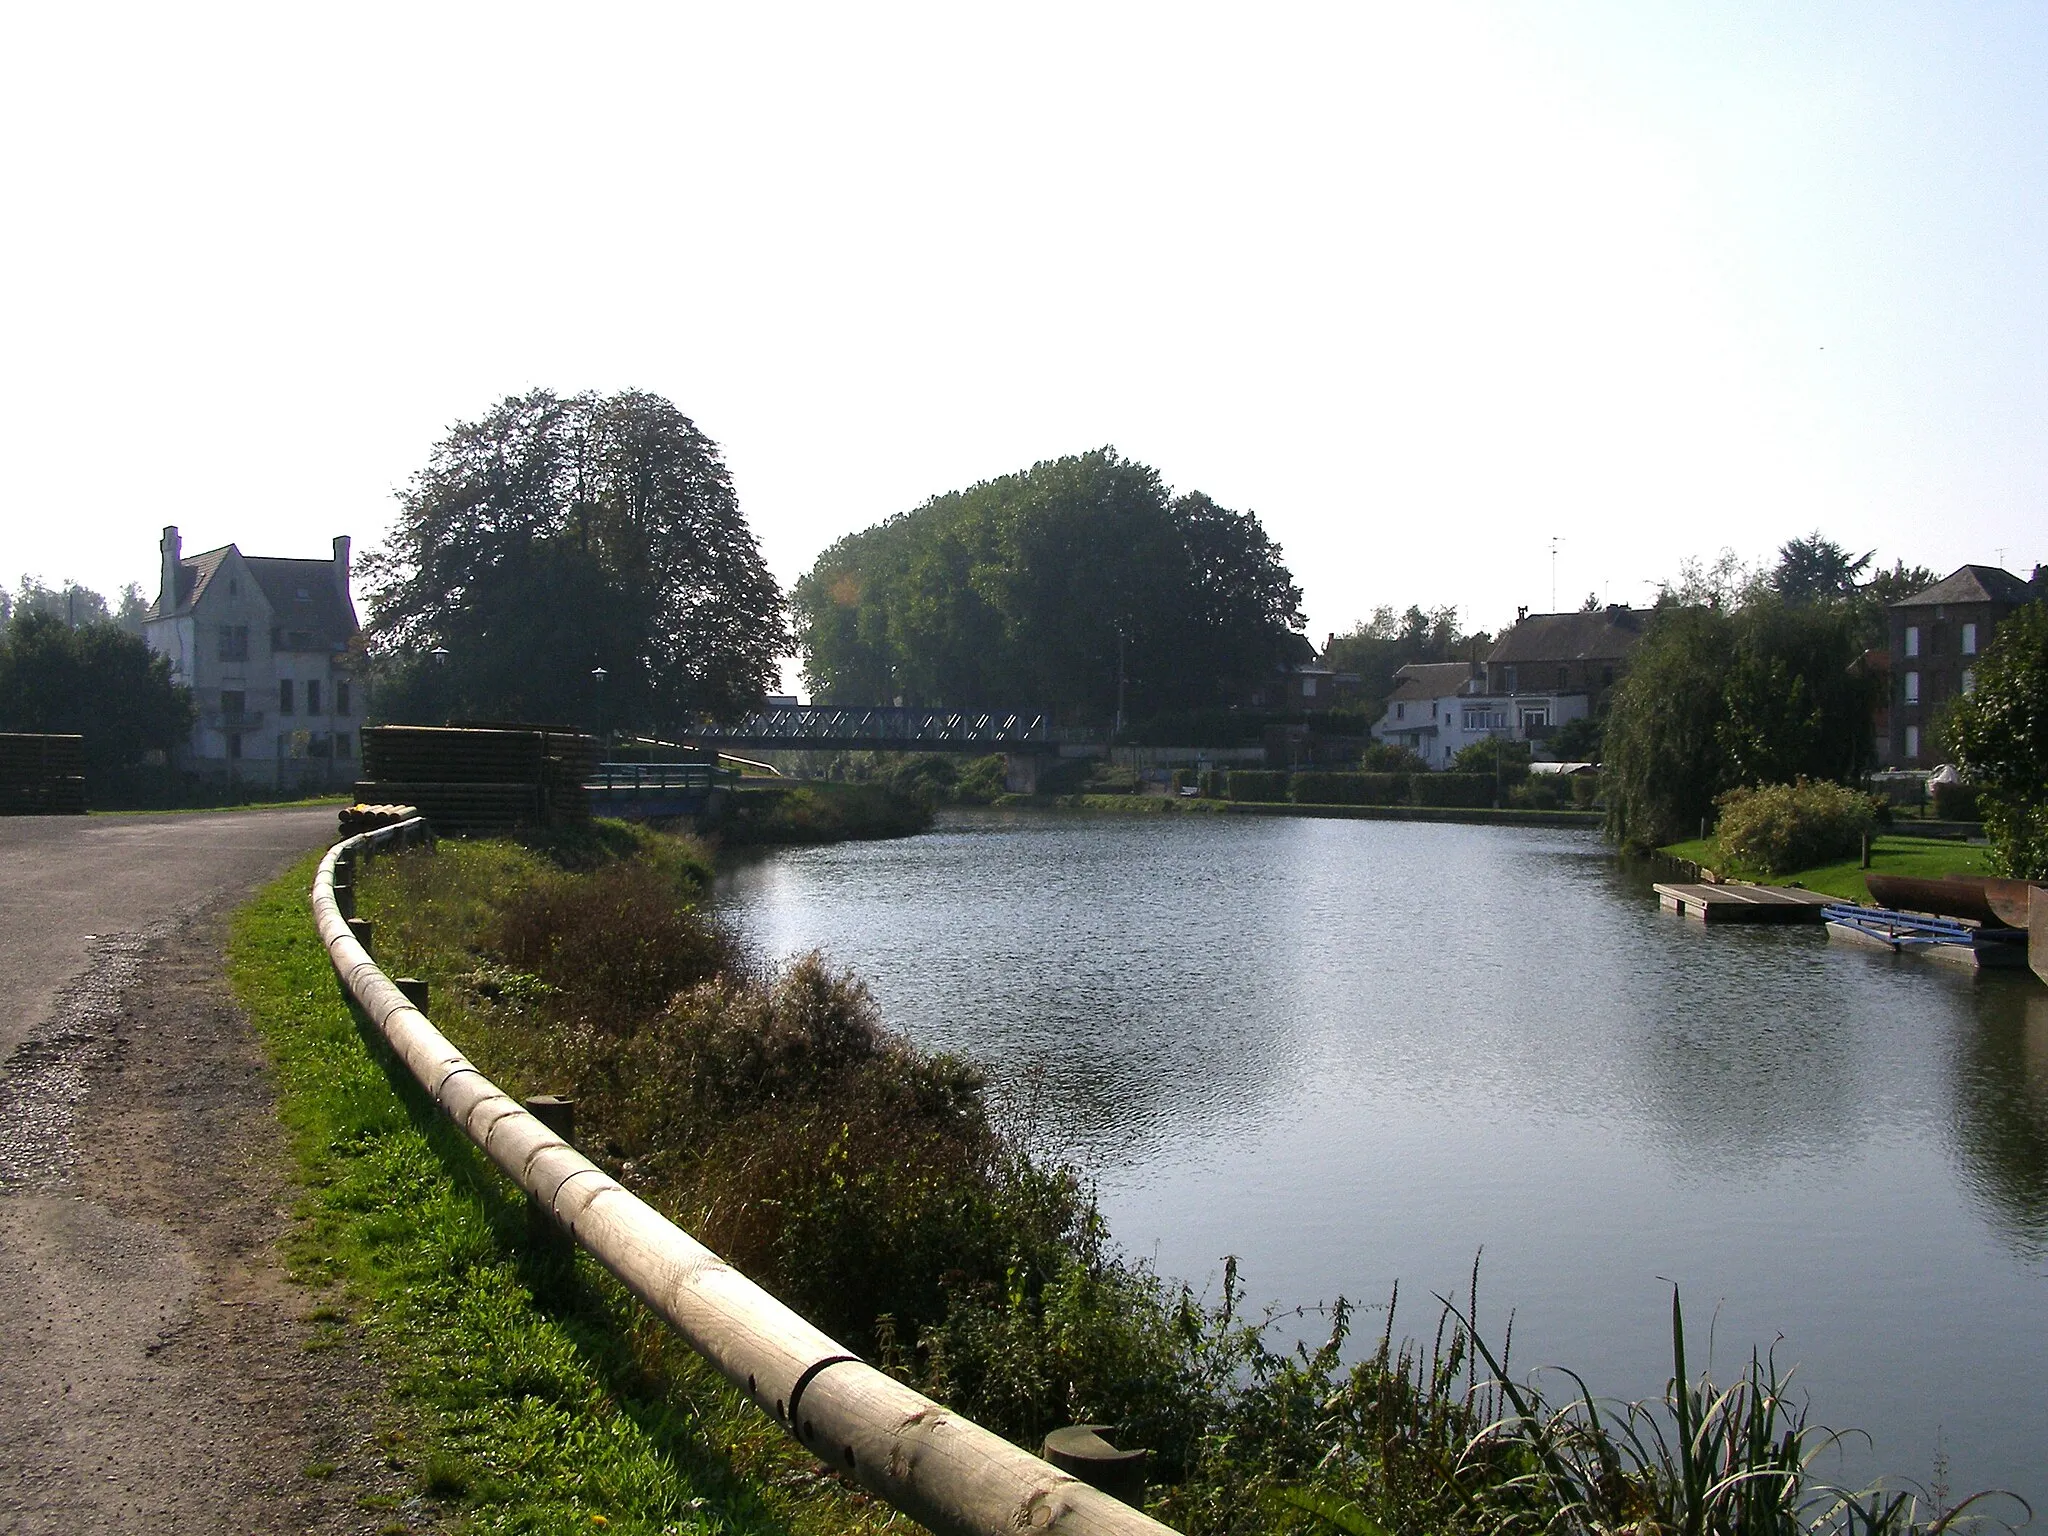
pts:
pixel 942 1470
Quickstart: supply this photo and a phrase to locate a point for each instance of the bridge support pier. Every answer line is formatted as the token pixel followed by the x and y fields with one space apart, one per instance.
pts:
pixel 1021 770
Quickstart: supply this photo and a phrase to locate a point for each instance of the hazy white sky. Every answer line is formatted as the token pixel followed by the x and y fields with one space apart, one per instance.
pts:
pixel 1424 286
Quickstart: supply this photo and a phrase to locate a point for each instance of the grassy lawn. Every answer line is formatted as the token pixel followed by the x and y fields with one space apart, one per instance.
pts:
pixel 1925 857
pixel 534 1394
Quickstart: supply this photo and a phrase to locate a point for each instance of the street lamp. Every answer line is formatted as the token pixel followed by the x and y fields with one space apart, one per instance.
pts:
pixel 597 677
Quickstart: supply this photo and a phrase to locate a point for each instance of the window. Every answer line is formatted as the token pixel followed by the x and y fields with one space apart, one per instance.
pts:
pixel 1969 681
pixel 1563 678
pixel 341 699
pixel 1308 687
pixel 1912 639
pixel 1511 679
pixel 1912 689
pixel 231 704
pixel 1607 677
pixel 1400 711
pixel 234 642
pixel 312 695
pixel 234 743
pixel 1484 717
pixel 1969 642
pixel 1912 742
pixel 340 738
pixel 284 696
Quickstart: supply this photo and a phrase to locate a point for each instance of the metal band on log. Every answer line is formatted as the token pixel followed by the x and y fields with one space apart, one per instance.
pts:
pixel 944 1471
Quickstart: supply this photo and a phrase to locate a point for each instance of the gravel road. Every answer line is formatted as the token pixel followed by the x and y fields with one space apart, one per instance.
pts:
pixel 155 1368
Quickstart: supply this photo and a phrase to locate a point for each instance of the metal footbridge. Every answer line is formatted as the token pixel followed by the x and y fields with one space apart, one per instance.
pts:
pixel 801 727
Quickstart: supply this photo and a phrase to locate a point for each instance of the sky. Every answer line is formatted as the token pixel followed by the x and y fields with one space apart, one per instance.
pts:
pixel 1477 305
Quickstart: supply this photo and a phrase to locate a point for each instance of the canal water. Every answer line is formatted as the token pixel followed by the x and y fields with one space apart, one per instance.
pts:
pixel 1352 1052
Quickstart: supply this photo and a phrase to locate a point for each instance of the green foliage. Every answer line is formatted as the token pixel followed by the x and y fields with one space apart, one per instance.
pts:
pixel 1817 570
pixel 1999 735
pixel 1580 740
pixel 555 536
pixel 1387 757
pixel 1040 588
pixel 1713 700
pixel 821 812
pixel 1380 646
pixel 1778 828
pixel 982 780
pixel 1259 784
pixel 1318 787
pixel 96 681
pixel 1459 789
pixel 1491 755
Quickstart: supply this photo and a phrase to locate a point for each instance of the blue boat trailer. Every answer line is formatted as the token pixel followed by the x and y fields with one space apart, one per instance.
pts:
pixel 1902 930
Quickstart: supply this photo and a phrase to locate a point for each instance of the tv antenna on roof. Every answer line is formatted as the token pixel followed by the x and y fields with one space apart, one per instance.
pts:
pixel 1553 572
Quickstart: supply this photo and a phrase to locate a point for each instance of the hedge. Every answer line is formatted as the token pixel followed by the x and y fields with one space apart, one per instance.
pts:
pixel 1264 784
pixel 1318 787
pixel 1956 802
pixel 1460 789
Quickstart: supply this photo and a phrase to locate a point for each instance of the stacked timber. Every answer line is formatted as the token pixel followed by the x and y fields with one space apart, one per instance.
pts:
pixel 368 818
pixel 479 778
pixel 42 775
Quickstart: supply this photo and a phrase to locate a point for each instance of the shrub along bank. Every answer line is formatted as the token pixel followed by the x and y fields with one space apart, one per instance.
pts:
pixel 769 1110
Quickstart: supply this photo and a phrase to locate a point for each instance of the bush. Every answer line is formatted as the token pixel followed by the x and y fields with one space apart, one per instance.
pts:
pixel 1266 785
pixel 1386 757
pixel 1778 828
pixel 1956 802
pixel 1317 787
pixel 820 812
pixel 982 780
pixel 1461 789
pixel 623 938
pixel 1214 783
pixel 1585 790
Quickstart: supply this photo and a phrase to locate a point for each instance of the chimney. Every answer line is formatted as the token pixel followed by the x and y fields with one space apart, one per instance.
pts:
pixel 173 549
pixel 341 564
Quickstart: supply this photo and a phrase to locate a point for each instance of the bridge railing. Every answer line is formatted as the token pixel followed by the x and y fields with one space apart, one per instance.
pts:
pixel 800 725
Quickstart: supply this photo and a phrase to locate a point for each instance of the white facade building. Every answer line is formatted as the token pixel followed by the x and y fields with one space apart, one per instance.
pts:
pixel 1438 709
pixel 263 644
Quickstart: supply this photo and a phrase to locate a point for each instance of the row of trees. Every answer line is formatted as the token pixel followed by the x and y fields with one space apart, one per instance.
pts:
pixel 1081 585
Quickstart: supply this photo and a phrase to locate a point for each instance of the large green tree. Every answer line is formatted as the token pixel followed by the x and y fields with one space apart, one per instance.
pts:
pixel 1042 589
pixel 558 536
pixel 1764 694
pixel 1999 735
pixel 95 680
pixel 1380 646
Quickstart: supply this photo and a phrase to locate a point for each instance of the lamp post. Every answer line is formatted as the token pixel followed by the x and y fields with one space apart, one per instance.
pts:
pixel 439 656
pixel 597 677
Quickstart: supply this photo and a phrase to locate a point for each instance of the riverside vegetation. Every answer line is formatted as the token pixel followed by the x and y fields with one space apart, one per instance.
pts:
pixel 876 1189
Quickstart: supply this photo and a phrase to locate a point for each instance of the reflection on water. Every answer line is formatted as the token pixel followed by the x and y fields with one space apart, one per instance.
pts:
pixel 1352 1052
pixel 2000 1090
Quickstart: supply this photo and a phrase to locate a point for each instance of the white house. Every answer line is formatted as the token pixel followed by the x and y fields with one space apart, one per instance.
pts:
pixel 263 645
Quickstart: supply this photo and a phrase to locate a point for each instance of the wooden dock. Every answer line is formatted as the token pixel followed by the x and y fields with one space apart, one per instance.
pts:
pixel 1738 903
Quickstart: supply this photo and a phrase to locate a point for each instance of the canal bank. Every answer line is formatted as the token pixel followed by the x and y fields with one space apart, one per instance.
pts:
pixel 1355 1051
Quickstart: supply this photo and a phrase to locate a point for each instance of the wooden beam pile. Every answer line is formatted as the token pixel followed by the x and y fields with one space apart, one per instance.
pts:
pixel 479 778
pixel 42 775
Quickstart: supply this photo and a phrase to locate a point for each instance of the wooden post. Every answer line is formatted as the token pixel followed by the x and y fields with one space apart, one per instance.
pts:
pixel 1081 1450
pixel 1866 850
pixel 364 930
pixel 551 1110
pixel 417 992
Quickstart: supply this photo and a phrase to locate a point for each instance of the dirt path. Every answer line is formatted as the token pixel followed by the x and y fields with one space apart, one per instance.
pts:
pixel 155 1368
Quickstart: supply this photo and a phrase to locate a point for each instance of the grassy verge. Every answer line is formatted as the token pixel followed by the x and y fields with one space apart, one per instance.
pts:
pixel 307 803
pixel 534 1395
pixel 1925 858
